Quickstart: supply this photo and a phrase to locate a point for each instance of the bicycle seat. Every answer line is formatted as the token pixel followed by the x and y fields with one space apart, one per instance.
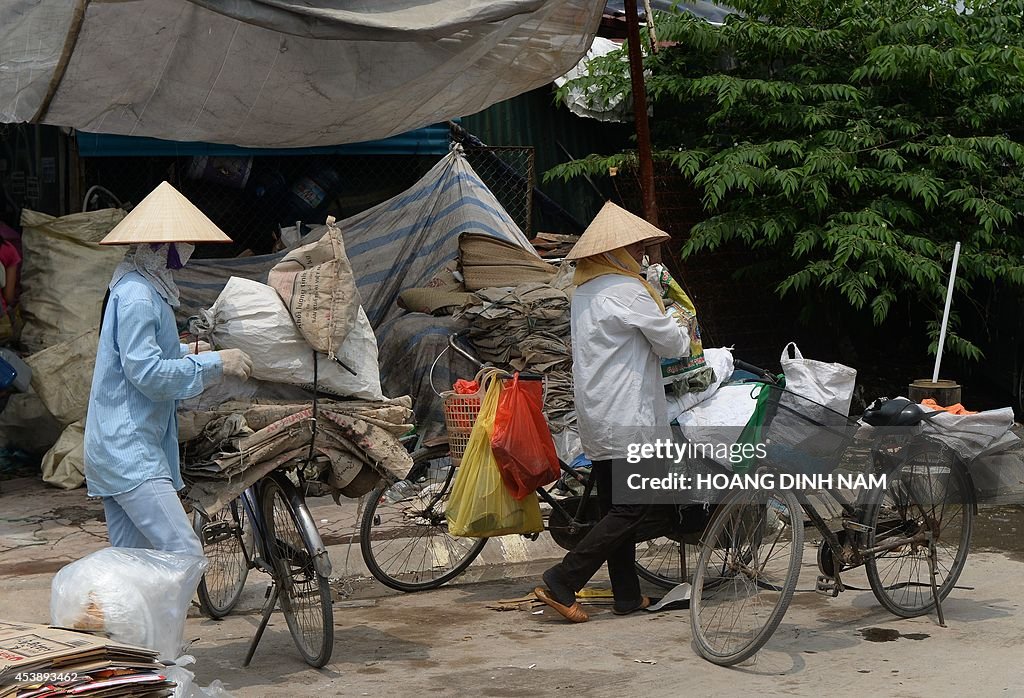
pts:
pixel 897 412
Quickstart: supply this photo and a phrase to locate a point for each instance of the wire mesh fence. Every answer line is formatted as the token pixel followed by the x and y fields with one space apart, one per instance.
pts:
pixel 508 171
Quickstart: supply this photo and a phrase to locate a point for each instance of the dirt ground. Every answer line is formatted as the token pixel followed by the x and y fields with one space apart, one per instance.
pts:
pixel 471 639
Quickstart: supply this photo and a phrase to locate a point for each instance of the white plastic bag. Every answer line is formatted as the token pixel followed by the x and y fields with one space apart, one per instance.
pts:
pixel 830 385
pixel 139 597
pixel 252 317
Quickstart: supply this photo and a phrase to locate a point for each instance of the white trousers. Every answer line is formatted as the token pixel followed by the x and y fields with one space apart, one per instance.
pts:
pixel 151 516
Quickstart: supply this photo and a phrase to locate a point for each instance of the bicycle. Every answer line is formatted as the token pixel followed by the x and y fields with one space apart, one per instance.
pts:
pixel 404 535
pixel 269 528
pixel 912 536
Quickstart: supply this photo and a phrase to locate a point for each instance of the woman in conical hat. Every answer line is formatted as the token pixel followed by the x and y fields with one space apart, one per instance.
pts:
pixel 619 333
pixel 131 428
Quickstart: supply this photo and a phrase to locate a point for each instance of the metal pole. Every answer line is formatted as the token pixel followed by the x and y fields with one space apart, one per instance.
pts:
pixel 643 132
pixel 945 313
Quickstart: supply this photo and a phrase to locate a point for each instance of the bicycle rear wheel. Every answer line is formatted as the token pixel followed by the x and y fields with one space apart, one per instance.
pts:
pixel 746 573
pixel 227 543
pixel 929 493
pixel 403 534
pixel 305 594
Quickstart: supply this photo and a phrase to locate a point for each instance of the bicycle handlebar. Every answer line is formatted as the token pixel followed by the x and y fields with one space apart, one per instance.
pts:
pixel 761 373
pixel 454 345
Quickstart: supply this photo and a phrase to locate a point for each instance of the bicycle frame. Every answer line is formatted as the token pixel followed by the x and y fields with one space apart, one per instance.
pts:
pixel 577 520
pixel 857 552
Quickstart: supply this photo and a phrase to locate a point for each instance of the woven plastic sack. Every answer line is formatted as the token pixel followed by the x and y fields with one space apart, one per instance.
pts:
pixel 316 283
pixel 828 384
pixel 62 376
pixel 139 597
pixel 64 274
pixel 684 368
pixel 250 316
pixel 480 506
pixel 521 442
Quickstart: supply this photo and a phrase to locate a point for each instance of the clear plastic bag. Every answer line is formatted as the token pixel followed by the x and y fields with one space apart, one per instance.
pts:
pixel 139 597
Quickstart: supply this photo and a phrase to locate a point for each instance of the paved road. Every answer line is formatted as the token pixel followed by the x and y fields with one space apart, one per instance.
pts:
pixel 455 641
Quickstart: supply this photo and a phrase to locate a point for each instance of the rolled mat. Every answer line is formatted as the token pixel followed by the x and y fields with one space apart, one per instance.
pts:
pixel 488 263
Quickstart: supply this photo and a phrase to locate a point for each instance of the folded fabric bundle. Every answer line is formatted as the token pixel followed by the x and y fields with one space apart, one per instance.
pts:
pixel 527 328
pixel 433 301
pixel 356 444
pixel 503 317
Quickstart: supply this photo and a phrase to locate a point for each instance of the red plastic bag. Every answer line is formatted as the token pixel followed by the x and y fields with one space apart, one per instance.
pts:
pixel 465 387
pixel 522 442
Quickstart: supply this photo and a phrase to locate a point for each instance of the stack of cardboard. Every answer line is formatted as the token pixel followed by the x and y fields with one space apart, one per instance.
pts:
pixel 37 661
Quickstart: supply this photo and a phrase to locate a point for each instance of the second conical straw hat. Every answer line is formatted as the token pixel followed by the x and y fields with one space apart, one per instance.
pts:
pixel 165 215
pixel 613 227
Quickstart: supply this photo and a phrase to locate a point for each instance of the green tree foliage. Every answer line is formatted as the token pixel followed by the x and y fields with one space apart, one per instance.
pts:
pixel 856 141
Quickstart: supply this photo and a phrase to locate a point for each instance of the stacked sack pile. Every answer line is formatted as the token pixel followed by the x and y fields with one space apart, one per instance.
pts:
pixel 520 318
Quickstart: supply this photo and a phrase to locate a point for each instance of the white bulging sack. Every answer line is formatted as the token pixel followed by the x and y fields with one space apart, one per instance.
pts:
pixel 252 317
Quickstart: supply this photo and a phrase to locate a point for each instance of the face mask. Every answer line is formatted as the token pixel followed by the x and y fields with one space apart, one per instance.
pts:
pixel 178 254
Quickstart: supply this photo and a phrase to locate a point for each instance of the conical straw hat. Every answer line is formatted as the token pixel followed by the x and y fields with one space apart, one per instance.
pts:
pixel 165 215
pixel 613 227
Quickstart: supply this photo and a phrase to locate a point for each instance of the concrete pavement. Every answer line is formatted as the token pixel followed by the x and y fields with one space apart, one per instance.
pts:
pixel 460 641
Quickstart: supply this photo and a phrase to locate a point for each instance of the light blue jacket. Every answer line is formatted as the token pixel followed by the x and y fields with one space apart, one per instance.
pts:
pixel 131 431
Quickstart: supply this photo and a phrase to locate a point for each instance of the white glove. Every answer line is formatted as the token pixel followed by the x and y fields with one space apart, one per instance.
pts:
pixel 236 363
pixel 201 346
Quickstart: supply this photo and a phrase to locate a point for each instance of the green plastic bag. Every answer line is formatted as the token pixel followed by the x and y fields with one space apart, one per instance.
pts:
pixel 753 432
pixel 480 506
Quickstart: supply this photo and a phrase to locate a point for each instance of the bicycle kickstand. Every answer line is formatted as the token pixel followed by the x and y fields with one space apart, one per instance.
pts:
pixel 268 608
pixel 935 588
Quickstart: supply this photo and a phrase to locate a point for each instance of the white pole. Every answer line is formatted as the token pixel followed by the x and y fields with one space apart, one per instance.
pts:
pixel 945 314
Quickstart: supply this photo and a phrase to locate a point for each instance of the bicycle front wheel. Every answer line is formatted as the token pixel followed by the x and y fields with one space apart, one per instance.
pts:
pixel 930 495
pixel 746 573
pixel 403 534
pixel 227 543
pixel 665 562
pixel 305 594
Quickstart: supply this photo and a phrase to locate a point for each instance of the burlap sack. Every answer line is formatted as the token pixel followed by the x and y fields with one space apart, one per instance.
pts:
pixel 316 283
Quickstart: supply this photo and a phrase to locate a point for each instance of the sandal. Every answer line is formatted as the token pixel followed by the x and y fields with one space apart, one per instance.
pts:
pixel 644 603
pixel 573 614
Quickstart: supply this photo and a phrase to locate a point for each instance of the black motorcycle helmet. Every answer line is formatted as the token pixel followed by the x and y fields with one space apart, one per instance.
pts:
pixel 897 412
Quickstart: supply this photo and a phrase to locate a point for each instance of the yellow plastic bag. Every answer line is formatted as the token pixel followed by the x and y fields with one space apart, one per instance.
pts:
pixel 480 506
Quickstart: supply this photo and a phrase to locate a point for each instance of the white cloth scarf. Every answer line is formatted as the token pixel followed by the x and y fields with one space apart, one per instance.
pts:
pixel 151 261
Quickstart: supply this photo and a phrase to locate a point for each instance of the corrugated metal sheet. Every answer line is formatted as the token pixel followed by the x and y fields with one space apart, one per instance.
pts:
pixel 533 119
pixel 430 140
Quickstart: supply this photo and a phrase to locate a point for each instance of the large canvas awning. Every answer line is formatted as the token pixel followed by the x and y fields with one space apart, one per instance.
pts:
pixel 278 73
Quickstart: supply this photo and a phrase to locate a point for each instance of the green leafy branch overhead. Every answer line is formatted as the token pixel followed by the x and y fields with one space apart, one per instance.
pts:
pixel 858 140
